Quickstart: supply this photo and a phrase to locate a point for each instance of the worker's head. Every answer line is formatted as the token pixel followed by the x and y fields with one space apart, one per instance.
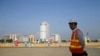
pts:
pixel 73 24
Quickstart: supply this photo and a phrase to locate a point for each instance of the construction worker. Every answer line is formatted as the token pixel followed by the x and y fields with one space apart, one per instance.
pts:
pixel 77 40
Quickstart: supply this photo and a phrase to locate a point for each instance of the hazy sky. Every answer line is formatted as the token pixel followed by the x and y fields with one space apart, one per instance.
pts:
pixel 24 16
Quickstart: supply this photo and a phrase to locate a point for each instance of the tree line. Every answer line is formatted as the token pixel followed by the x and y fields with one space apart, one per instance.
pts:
pixel 6 41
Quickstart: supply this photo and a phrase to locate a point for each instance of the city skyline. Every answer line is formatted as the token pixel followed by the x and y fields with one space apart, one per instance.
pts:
pixel 24 16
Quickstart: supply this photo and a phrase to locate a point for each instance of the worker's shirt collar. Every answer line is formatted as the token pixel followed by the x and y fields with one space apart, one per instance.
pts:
pixel 74 29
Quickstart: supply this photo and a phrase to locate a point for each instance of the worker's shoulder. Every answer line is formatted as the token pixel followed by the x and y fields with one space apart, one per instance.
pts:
pixel 79 31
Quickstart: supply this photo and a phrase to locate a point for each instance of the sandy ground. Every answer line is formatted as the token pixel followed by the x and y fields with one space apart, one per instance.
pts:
pixel 8 49
pixel 44 51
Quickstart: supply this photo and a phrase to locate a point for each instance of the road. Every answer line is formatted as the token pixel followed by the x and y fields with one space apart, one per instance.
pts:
pixel 43 51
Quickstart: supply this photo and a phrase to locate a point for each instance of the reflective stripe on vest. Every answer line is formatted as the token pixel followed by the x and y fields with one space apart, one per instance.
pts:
pixel 75 43
pixel 75 40
pixel 72 46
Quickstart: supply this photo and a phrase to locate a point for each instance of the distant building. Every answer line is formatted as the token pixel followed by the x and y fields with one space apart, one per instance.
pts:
pixel 44 31
pixel 56 38
pixel 32 38
pixel 6 36
pixel 25 38
pixel 87 39
pixel 98 40
pixel 12 36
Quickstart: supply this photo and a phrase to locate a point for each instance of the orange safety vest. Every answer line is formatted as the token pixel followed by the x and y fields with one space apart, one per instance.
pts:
pixel 75 46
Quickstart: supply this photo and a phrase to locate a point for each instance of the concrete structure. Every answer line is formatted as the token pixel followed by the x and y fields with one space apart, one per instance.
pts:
pixel 87 39
pixel 25 38
pixel 32 38
pixel 44 31
pixel 12 36
pixel 8 36
pixel 56 38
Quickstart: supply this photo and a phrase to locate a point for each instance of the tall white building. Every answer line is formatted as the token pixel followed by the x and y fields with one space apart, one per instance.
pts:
pixel 44 31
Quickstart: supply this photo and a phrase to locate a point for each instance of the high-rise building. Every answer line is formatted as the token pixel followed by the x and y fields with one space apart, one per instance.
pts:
pixel 44 31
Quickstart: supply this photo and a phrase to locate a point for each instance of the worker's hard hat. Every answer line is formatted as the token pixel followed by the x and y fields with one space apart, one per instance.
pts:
pixel 72 21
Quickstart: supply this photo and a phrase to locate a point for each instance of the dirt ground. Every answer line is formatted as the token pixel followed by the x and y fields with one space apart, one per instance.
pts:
pixel 44 51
